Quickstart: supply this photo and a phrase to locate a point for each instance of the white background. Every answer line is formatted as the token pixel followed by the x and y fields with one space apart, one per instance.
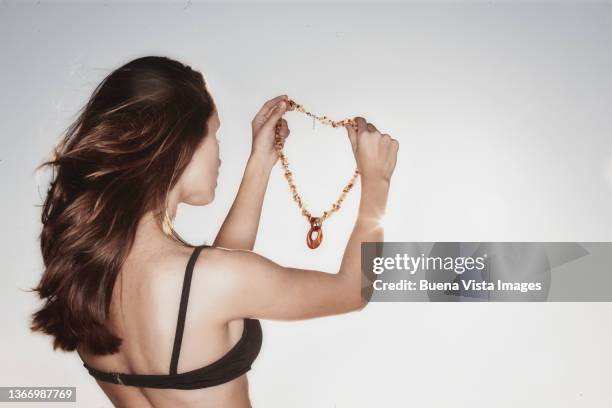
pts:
pixel 503 115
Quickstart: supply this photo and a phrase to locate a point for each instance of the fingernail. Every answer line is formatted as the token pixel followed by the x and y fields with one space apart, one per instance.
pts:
pixel 282 105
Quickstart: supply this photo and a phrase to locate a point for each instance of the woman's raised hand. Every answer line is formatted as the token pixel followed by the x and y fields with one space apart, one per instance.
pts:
pixel 264 129
pixel 375 153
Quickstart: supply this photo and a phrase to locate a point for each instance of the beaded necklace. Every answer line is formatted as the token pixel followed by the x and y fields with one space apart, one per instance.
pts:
pixel 315 222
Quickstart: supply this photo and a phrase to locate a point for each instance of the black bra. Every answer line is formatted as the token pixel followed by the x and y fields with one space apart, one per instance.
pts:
pixel 234 363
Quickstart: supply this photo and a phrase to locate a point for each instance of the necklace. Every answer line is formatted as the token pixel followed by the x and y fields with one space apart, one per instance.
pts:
pixel 315 222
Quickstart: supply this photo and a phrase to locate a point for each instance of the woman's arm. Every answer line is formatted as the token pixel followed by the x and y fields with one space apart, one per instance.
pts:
pixel 247 284
pixel 239 229
pixel 251 285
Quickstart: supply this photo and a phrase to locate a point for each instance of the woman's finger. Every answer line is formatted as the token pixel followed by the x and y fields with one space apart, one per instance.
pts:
pixel 282 129
pixel 267 107
pixel 352 135
pixel 361 124
pixel 275 114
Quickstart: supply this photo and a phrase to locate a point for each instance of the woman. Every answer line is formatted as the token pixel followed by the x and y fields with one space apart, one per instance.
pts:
pixel 118 278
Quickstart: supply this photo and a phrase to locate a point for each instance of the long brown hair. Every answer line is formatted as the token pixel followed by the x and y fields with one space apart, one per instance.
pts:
pixel 117 161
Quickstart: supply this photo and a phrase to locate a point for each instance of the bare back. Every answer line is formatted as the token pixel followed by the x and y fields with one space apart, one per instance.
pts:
pixel 144 309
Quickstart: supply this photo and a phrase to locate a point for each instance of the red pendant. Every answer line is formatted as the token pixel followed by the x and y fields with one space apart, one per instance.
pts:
pixel 315 227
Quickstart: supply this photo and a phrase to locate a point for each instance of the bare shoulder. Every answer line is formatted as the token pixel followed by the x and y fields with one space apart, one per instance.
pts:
pixel 217 276
pixel 160 274
pixel 226 269
pixel 165 279
pixel 223 278
pixel 219 268
pixel 244 283
pixel 229 284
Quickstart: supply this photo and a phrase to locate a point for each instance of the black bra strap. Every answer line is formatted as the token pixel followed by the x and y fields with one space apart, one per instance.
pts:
pixel 180 324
